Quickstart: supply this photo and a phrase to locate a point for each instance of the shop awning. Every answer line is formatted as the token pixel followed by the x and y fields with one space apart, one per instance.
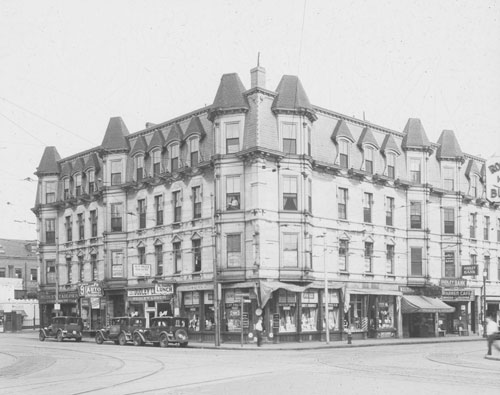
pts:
pixel 268 287
pixel 423 304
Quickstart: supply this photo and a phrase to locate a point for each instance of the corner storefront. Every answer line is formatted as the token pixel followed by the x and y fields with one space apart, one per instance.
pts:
pixel 92 305
pixel 456 294
pixel 151 300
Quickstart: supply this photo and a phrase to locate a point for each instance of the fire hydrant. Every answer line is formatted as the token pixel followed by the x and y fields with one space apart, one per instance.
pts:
pixel 349 336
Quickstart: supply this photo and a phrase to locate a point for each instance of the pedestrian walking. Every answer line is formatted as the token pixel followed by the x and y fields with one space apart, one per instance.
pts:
pixel 259 328
pixel 491 333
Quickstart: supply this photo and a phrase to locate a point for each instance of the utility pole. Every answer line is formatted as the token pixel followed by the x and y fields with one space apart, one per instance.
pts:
pixel 215 280
pixel 327 323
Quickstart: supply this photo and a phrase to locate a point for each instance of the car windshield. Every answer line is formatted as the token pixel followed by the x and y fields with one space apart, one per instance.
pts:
pixel 137 322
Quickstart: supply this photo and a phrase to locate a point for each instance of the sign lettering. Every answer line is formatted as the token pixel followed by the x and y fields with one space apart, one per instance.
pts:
pixel 493 179
pixel 469 270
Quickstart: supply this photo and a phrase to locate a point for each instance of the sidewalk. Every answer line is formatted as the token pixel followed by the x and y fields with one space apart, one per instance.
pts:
pixel 315 345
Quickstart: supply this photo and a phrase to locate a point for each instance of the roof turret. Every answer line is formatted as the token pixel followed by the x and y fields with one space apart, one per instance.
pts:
pixel 448 146
pixel 291 96
pixel 48 163
pixel 114 139
pixel 229 96
pixel 415 136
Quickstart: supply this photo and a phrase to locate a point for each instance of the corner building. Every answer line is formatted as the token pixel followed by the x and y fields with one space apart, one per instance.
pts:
pixel 276 196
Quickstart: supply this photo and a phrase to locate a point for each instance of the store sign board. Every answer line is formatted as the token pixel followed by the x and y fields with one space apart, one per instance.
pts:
pixel 95 303
pixel 458 294
pixel 141 270
pixel 469 270
pixel 90 290
pixel 453 282
pixel 493 179
pixel 449 257
pixel 159 292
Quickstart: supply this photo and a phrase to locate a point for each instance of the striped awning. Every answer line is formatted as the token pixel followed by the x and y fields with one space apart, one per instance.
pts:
pixel 423 304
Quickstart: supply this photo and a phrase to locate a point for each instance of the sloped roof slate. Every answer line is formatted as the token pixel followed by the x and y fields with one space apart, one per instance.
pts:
pixel 291 95
pixel 66 169
pixel 139 146
pixel 448 146
pixel 114 138
pixel 367 137
pixel 472 168
pixel 415 136
pixel 342 130
pixel 230 93
pixel 48 163
pixel 93 161
pixel 175 134
pixel 157 140
pixel 78 166
pixel 390 144
pixel 17 248
pixel 195 127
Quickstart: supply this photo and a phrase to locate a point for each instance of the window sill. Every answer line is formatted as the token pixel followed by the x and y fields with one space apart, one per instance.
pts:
pixel 344 273
pixel 390 276
pixel 368 274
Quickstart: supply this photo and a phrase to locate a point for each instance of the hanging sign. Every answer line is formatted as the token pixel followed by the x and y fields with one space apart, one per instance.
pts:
pixel 493 179
pixel 469 270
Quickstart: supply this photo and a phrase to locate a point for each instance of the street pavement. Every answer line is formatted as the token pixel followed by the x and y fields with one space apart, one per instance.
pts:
pixel 451 365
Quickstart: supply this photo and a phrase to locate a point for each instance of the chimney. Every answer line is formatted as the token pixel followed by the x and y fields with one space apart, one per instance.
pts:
pixel 258 77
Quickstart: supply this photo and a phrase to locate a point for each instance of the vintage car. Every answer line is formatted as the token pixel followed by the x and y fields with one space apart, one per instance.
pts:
pixel 61 328
pixel 120 330
pixel 163 331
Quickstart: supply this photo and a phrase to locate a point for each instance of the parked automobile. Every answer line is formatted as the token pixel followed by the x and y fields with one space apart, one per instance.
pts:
pixel 163 331
pixel 120 330
pixel 61 328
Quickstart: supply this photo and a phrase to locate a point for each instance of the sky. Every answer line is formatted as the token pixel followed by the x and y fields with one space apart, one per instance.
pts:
pixel 66 67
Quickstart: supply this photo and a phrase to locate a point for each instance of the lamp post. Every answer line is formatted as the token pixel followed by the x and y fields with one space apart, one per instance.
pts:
pixel 485 274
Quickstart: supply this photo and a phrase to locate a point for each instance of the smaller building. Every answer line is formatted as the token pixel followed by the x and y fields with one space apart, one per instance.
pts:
pixel 18 284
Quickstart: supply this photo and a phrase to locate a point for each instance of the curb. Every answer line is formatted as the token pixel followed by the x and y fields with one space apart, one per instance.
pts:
pixel 248 347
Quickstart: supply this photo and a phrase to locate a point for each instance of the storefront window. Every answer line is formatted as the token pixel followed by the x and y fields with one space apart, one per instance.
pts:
pixel 287 310
pixel 309 314
pixel 232 311
pixel 357 318
pixel 192 309
pixel 385 312
pixel 333 311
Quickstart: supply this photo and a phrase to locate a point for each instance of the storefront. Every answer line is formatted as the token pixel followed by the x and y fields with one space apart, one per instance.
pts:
pixel 372 312
pixel 92 305
pixel 493 301
pixel 196 302
pixel 150 301
pixel 420 315
pixel 456 295
pixel 67 301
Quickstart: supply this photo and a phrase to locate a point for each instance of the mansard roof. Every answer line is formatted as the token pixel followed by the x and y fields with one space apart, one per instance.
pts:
pixel 195 127
pixel 341 130
pixel 448 146
pixel 78 166
pixel 139 146
pixel 472 168
pixel 175 134
pixel 367 137
pixel 415 136
pixel 229 95
pixel 93 161
pixel 66 169
pixel 157 141
pixel 48 163
pixel 390 144
pixel 114 138
pixel 292 96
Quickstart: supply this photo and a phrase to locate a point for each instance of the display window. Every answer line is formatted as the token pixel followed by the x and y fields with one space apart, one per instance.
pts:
pixel 386 309
pixel 333 311
pixel 309 311
pixel 357 318
pixel 287 305
pixel 208 311
pixel 232 310
pixel 192 309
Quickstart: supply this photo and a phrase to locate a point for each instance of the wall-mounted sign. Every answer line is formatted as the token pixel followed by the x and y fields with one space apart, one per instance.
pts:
pixel 90 290
pixel 469 270
pixel 453 282
pixel 159 292
pixel 141 270
pixel 493 179
pixel 458 294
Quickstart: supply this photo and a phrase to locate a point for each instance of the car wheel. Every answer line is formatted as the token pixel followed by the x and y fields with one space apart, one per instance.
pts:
pixel 98 338
pixel 183 344
pixel 59 336
pixel 163 340
pixel 122 340
pixel 116 342
pixel 137 340
pixel 41 336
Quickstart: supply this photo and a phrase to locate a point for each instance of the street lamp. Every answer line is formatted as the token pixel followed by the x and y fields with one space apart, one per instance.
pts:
pixel 485 274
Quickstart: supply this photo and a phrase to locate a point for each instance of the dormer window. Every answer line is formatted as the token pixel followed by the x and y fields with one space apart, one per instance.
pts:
pixel 344 146
pixel 91 181
pixel 289 131
pixel 232 137
pixel 448 178
pixel 66 188
pixel 193 151
pixel 391 165
pixel 173 154
pixel 369 160
pixel 139 167
pixel 78 184
pixel 156 159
